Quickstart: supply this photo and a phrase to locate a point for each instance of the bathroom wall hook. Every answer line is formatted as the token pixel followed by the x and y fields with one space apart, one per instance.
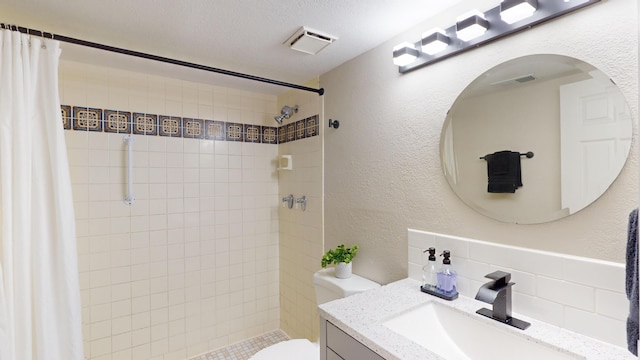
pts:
pixel 301 203
pixel 334 123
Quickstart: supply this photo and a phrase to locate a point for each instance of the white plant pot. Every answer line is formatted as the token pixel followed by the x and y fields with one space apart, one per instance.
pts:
pixel 343 270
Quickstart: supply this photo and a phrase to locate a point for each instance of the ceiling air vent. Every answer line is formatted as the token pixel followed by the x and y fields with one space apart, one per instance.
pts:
pixel 309 41
pixel 525 78
pixel 520 79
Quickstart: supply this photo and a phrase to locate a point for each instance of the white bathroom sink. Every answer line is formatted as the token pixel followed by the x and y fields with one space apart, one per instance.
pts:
pixel 456 335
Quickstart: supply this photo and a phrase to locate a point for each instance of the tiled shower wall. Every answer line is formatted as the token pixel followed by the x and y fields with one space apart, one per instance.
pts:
pixel 193 264
pixel 301 232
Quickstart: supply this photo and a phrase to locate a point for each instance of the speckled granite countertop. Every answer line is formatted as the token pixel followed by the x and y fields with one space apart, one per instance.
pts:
pixel 362 315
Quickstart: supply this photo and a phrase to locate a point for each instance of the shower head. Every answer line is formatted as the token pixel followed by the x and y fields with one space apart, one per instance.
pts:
pixel 285 113
pixel 279 118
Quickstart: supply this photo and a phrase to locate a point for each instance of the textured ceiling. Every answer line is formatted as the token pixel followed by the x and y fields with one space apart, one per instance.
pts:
pixel 244 36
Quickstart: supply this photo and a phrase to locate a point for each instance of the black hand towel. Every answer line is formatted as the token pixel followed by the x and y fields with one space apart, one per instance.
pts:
pixel 631 283
pixel 503 171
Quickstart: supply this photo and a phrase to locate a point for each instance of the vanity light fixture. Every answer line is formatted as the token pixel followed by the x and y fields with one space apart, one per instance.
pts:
pixel 475 29
pixel 512 11
pixel 471 25
pixel 404 54
pixel 434 41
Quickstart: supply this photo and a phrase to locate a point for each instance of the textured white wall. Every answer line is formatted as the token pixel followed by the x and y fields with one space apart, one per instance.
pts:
pixel 382 171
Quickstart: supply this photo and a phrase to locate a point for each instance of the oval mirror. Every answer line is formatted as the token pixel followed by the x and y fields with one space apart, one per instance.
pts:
pixel 568 114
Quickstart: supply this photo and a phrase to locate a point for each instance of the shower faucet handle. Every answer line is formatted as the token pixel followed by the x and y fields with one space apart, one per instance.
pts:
pixel 287 201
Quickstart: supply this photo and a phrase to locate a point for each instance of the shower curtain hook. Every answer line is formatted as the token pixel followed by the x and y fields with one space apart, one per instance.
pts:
pixel 43 46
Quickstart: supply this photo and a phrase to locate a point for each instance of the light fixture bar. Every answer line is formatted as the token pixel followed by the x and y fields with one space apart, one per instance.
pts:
pixel 497 29
pixel 471 26
pixel 434 41
pixel 512 11
pixel 404 53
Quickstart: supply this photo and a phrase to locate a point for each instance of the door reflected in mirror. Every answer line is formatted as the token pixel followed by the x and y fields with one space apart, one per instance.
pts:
pixel 568 113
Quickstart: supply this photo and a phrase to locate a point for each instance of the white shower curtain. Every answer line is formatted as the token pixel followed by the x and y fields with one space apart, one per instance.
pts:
pixel 40 311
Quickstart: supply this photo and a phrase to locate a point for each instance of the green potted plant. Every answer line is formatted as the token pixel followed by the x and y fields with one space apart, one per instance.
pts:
pixel 341 256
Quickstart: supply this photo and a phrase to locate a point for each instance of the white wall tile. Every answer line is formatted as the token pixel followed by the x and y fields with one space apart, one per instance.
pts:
pixel 101 329
pixel 526 282
pixel 458 249
pixel 596 326
pixel 100 347
pixel 537 262
pixel 472 270
pixel 580 296
pixel 537 308
pixel 421 240
pixel 612 304
pixel 483 252
pixel 121 341
pixel 601 274
pixel 121 325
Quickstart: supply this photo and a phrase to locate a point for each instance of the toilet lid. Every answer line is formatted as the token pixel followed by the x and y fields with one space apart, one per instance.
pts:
pixel 297 349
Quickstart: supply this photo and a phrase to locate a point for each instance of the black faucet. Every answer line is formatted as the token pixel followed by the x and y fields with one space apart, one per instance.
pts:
pixel 498 293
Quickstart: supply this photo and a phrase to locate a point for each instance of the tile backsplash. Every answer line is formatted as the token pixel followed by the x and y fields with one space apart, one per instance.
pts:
pixel 580 294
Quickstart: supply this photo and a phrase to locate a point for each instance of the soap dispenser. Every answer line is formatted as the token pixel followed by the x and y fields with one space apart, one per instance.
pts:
pixel 446 278
pixel 429 272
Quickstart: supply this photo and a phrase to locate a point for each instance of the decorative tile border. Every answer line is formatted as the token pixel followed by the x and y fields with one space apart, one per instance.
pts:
pixel 312 126
pixel 145 124
pixel 66 116
pixel 170 126
pixel 126 122
pixel 87 119
pixel 235 132
pixel 252 133
pixel 269 135
pixel 117 121
pixel 290 132
pixel 214 130
pixel 193 128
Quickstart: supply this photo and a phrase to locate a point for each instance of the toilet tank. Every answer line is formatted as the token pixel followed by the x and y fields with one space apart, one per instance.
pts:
pixel 328 287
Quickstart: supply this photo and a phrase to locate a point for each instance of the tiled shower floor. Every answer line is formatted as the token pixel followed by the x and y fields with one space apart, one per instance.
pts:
pixel 245 349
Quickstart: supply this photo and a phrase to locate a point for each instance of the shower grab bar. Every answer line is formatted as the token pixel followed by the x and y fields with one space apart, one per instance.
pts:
pixel 129 199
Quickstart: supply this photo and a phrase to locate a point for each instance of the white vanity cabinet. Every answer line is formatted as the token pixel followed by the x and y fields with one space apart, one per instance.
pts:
pixel 335 344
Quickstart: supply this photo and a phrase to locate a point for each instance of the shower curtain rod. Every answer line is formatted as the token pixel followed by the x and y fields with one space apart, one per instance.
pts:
pixel 155 57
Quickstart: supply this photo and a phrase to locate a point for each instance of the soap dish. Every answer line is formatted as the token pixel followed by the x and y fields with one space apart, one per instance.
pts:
pixel 431 290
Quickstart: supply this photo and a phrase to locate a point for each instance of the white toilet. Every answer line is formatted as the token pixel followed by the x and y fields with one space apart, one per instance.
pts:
pixel 328 288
